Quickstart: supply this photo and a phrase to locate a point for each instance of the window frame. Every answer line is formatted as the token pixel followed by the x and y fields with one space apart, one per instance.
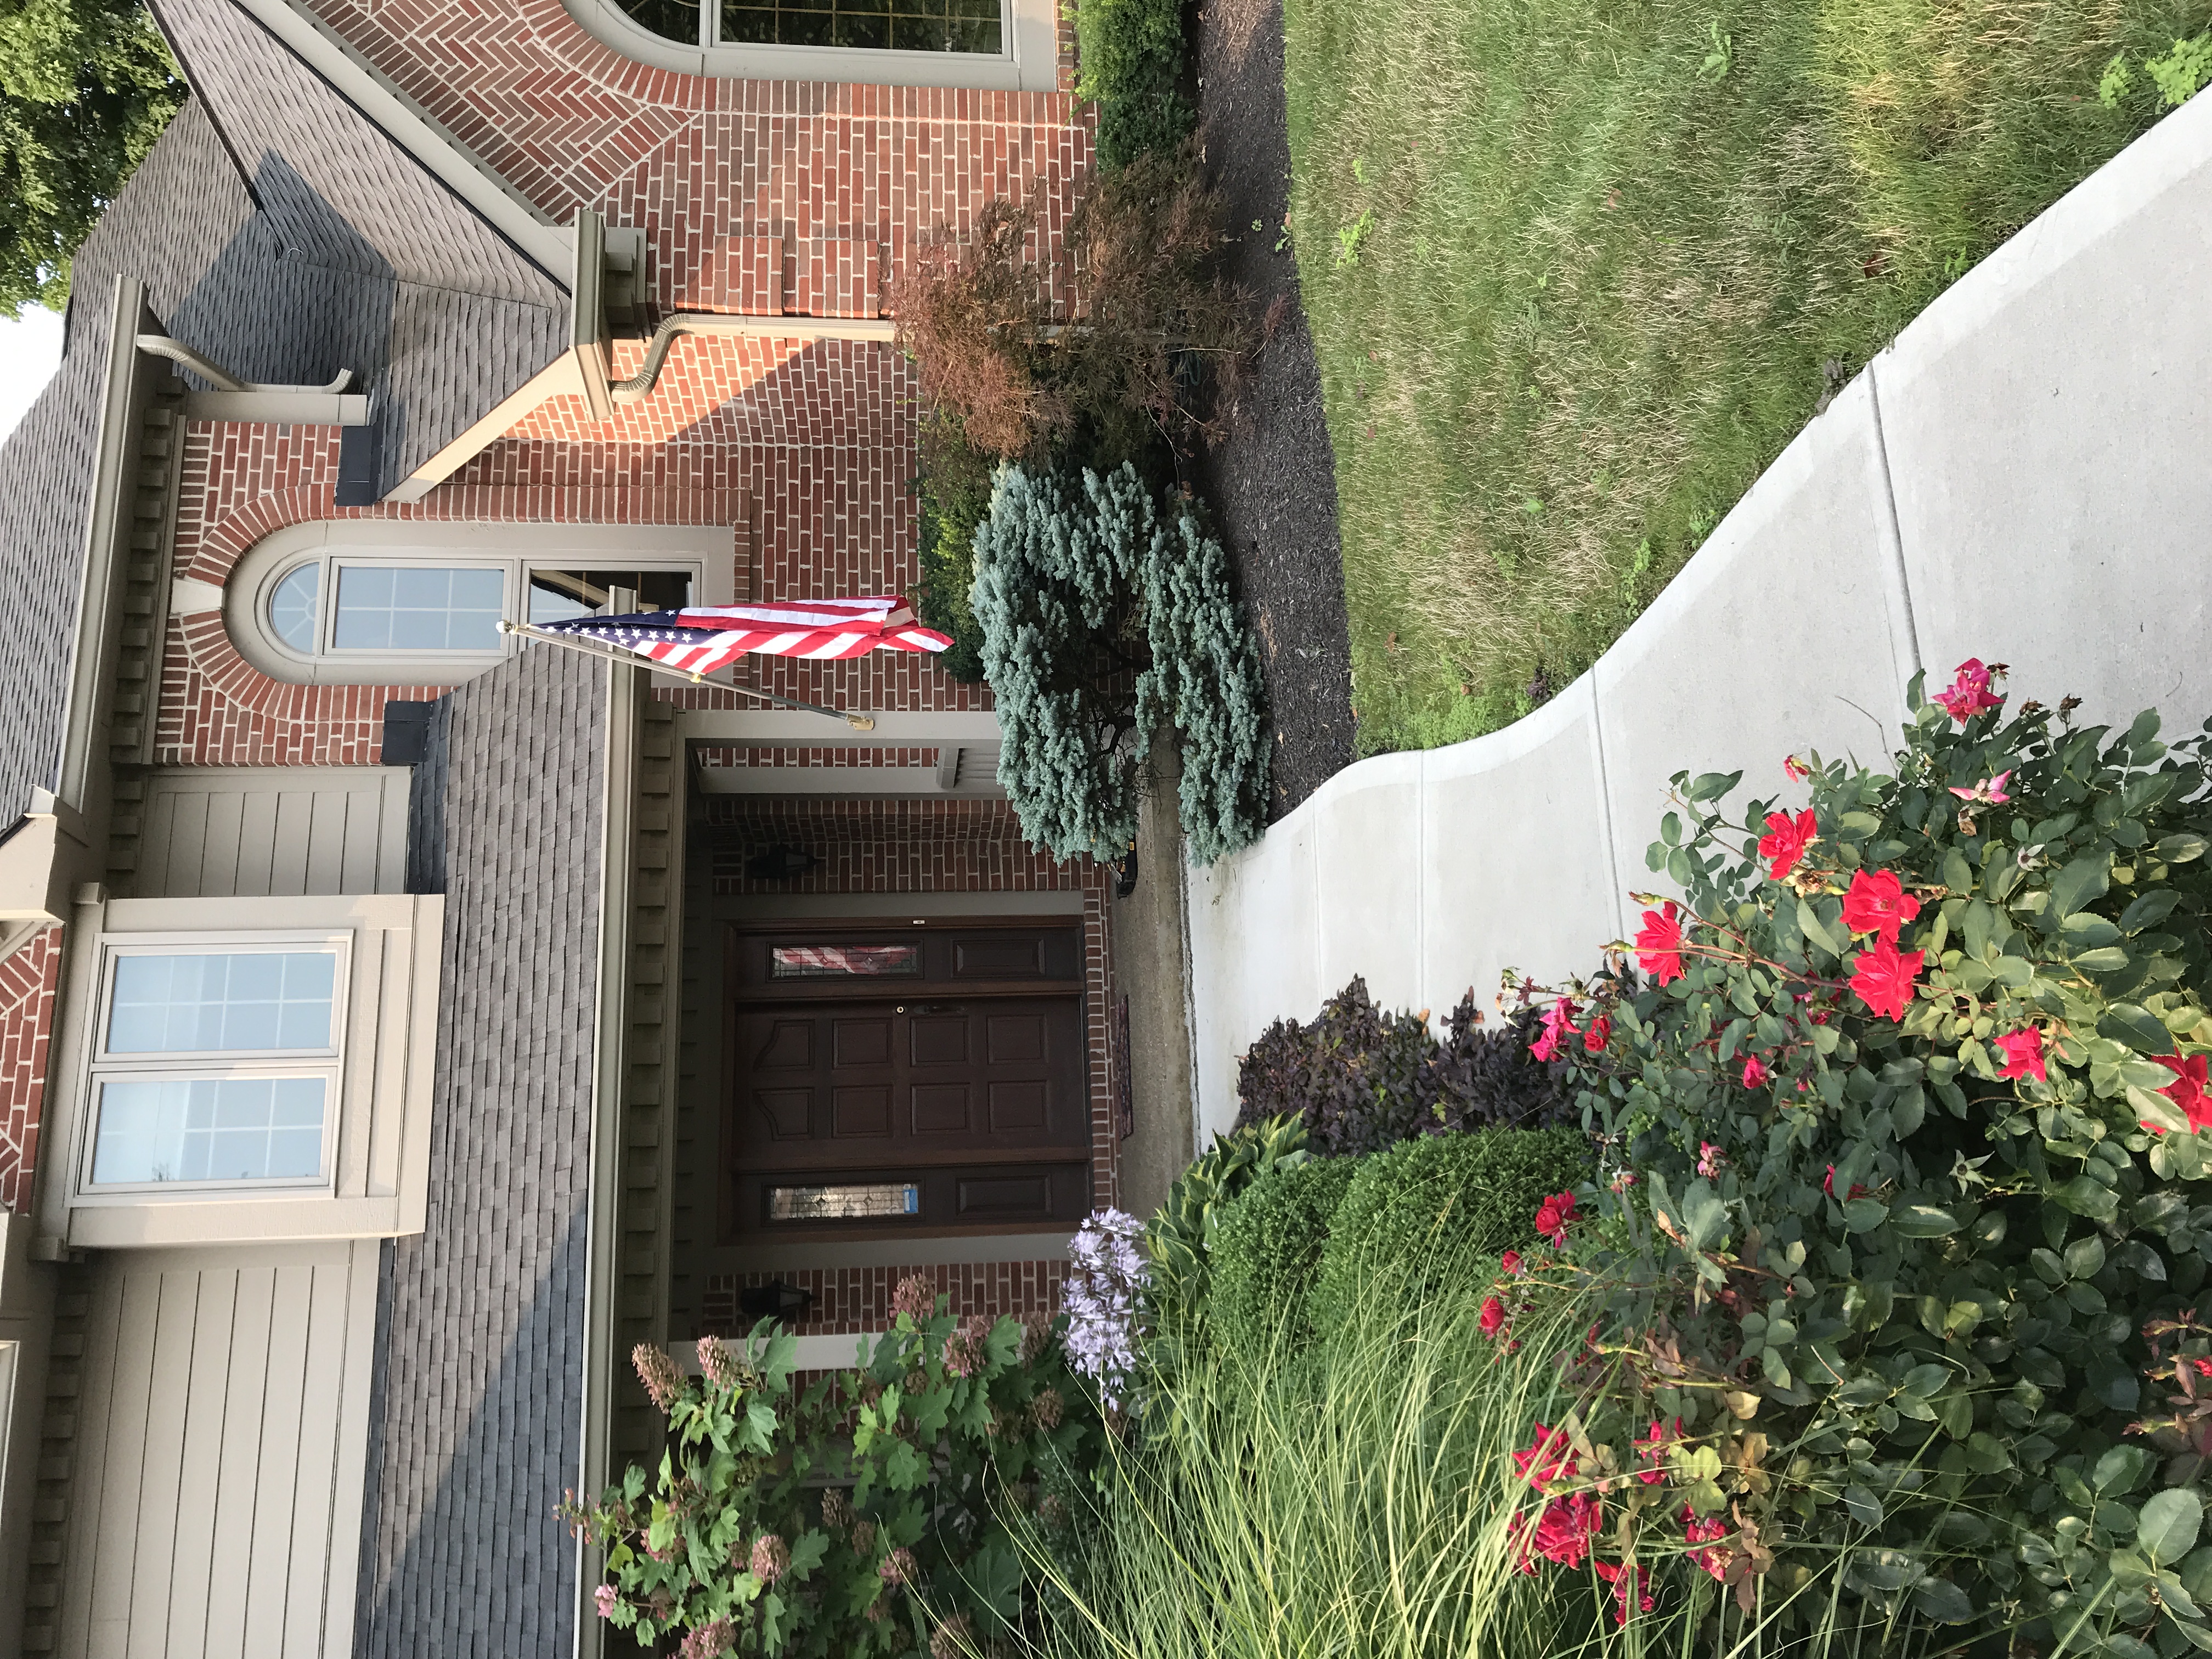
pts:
pixel 1028 59
pixel 104 1065
pixel 706 553
pixel 378 1119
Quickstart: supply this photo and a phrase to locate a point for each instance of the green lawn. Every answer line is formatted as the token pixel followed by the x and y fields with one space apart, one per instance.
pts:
pixel 1574 267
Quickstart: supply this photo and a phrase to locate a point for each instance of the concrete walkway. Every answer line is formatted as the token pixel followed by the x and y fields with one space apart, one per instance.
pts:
pixel 2025 475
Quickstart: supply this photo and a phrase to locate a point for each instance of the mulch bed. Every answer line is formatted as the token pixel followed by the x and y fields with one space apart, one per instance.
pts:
pixel 1272 482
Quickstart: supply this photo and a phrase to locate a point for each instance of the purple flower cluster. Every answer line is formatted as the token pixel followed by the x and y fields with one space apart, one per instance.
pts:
pixel 1105 1284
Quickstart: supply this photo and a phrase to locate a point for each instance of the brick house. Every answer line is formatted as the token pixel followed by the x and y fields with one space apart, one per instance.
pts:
pixel 399 1021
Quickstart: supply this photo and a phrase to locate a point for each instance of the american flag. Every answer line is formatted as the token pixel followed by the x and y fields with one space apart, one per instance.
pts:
pixel 699 640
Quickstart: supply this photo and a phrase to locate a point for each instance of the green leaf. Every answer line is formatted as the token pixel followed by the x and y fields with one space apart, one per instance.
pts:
pixel 1712 786
pixel 1809 924
pixel 2119 1470
pixel 2108 960
pixel 2086 932
pixel 1862 1505
pixel 2137 1026
pixel 2149 909
pixel 1704 1217
pixel 2086 879
pixel 2157 1110
pixel 807 1553
pixel 2085 1195
pixel 1864 1215
pixel 1921 1221
pixel 1926 1381
pixel 2182 848
pixel 1943 1601
pixel 2168 1524
pixel 2084 1256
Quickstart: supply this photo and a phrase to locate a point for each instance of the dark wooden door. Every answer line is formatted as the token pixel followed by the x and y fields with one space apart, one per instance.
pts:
pixel 885 1081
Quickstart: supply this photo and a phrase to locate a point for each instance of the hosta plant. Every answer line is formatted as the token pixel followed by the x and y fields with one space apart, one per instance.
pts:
pixel 866 1513
pixel 1903 1108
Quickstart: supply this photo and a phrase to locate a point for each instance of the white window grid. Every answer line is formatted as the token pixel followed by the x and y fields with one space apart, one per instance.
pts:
pixel 515 602
pixel 326 1061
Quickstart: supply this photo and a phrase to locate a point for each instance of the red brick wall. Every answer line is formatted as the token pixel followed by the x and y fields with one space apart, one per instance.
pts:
pixel 698 161
pixel 854 1300
pixel 27 981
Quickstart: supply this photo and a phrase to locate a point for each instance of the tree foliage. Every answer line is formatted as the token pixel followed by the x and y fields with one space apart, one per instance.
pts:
pixel 86 87
pixel 1103 619
pixel 1099 343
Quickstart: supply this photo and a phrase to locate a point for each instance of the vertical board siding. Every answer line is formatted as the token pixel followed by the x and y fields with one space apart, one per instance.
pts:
pixel 221 832
pixel 222 1457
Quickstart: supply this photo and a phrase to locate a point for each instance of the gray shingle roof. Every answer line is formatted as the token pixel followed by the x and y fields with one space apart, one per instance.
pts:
pixel 344 252
pixel 433 309
pixel 480 1320
pixel 169 225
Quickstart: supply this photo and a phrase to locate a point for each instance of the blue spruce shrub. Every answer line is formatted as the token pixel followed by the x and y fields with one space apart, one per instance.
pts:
pixel 1103 618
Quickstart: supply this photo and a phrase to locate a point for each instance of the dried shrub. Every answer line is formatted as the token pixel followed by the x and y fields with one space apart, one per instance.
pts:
pixel 1362 1079
pixel 1151 339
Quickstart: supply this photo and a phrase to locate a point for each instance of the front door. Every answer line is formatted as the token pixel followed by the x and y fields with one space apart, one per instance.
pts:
pixel 907 1078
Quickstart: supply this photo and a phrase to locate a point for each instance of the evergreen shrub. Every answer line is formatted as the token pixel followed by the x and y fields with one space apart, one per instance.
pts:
pixel 1103 619
pixel 1266 1255
pixel 1414 1213
pixel 1129 55
pixel 1363 1078
pixel 953 485
pixel 1179 1239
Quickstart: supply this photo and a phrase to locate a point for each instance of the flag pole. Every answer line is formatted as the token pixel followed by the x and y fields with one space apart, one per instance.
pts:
pixel 608 654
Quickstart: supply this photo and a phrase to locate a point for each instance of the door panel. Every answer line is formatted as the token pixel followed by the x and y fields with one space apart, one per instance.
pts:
pixel 953 1096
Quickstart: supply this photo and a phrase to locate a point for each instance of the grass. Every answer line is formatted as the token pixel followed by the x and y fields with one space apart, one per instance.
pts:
pixel 1355 1499
pixel 1296 1509
pixel 1574 270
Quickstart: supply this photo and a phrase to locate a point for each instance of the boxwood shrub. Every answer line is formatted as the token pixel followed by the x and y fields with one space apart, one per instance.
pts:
pixel 1426 1203
pixel 1266 1253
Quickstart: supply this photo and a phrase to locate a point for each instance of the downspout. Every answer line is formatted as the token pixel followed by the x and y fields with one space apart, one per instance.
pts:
pixel 725 324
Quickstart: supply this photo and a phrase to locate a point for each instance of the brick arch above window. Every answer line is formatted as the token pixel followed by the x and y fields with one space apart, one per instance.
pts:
pixel 376 601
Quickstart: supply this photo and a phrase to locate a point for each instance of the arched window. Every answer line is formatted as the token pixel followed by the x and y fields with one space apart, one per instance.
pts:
pixel 1004 44
pixel 354 602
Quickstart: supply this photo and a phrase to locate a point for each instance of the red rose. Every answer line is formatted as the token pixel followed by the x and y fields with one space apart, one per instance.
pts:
pixel 1493 1317
pixel 1553 1217
pixel 1559 1020
pixel 2023 1053
pixel 1883 978
pixel 1970 693
pixel 1595 1039
pixel 1754 1072
pixel 1785 841
pixel 1659 946
pixel 1511 1261
pixel 2186 1091
pixel 1877 903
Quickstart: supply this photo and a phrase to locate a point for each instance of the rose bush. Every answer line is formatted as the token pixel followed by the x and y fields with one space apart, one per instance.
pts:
pixel 748 1539
pixel 1905 1215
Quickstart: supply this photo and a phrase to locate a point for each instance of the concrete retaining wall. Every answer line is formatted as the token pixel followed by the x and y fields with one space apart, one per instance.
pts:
pixel 2025 475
